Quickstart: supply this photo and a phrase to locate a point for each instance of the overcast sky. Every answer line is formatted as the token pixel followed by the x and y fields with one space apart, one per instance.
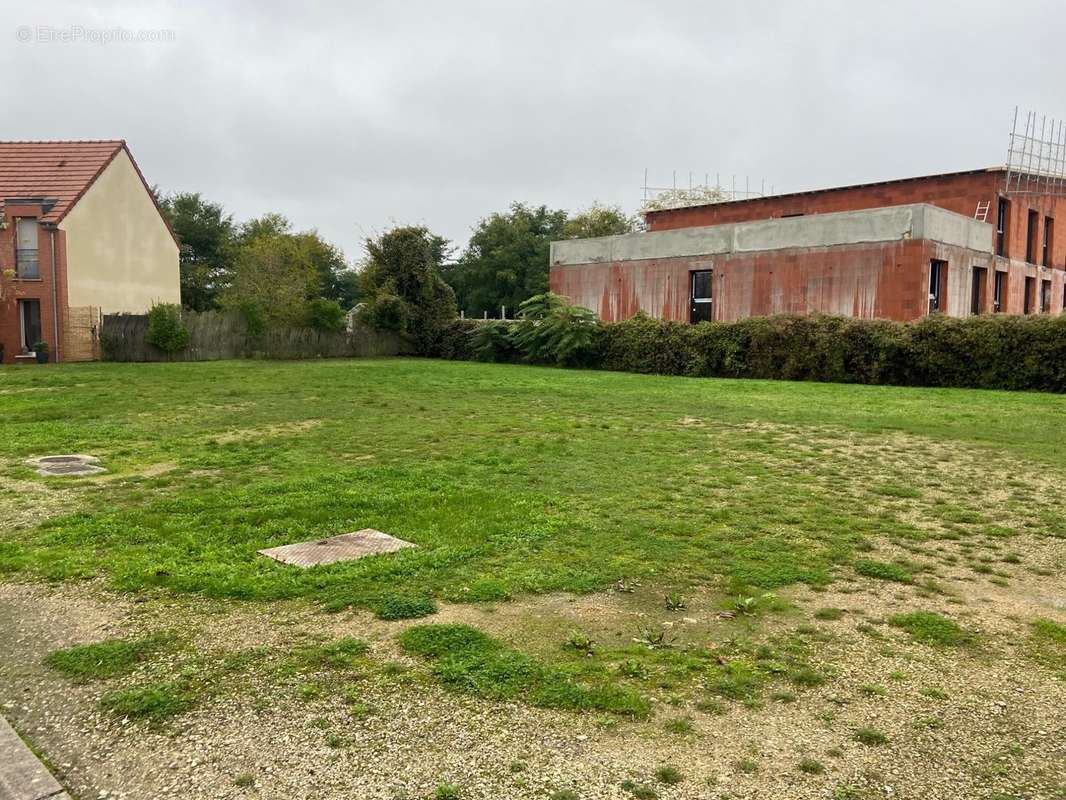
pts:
pixel 351 117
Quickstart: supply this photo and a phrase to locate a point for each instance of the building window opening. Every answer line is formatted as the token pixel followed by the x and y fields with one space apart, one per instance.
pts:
pixel 938 282
pixel 1030 237
pixel 27 264
pixel 701 296
pixel 1045 297
pixel 29 324
pixel 1030 290
pixel 1049 237
pixel 999 292
pixel 1001 226
pixel 977 290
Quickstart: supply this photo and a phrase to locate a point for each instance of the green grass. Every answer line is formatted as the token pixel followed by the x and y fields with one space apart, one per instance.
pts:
pixel 468 660
pixel 931 628
pixel 106 659
pixel 512 481
pixel 154 702
pixel 883 571
pixel 871 737
pixel 1048 640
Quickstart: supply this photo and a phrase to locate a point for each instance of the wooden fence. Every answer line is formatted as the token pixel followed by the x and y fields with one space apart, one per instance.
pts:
pixel 215 335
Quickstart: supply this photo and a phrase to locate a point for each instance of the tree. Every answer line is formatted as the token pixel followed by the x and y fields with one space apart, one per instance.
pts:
pixel 273 278
pixel 506 260
pixel 598 220
pixel 403 287
pixel 206 233
pixel 334 275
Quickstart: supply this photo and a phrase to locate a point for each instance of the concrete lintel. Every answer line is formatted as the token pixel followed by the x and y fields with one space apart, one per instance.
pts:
pixel 893 223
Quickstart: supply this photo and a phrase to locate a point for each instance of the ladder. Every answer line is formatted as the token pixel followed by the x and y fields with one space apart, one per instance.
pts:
pixel 982 210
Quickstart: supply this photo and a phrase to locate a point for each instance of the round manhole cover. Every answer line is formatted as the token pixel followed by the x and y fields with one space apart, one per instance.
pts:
pixel 61 460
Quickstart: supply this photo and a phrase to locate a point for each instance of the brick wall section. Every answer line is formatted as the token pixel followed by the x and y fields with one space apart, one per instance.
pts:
pixel 960 192
pixel 888 280
pixel 15 289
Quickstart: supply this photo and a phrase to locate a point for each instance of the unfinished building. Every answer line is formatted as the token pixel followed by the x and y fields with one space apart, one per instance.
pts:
pixel 962 243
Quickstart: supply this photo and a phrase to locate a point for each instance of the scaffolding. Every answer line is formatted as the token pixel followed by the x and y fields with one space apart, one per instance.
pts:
pixel 1036 156
pixel 656 198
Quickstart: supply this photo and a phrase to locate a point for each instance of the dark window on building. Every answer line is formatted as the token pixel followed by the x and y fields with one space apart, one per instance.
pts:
pixel 29 323
pixel 795 214
pixel 27 264
pixel 1030 237
pixel 1001 226
pixel 938 284
pixel 701 296
pixel 999 292
pixel 1045 297
pixel 1030 290
pixel 978 290
pixel 1049 237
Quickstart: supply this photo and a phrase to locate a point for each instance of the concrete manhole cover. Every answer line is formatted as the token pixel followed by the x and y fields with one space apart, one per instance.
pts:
pixel 73 465
pixel 345 547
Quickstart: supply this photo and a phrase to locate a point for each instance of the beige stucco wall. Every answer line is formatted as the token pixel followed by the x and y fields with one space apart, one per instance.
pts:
pixel 120 254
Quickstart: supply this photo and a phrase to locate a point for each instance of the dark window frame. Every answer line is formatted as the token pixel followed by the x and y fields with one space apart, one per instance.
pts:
pixel 999 291
pixel 1030 290
pixel 28 342
pixel 28 259
pixel 1031 231
pixel 978 290
pixel 1049 238
pixel 938 284
pixel 1002 222
pixel 701 306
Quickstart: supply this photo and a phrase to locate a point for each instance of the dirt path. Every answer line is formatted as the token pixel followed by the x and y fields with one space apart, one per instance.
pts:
pixel 999 733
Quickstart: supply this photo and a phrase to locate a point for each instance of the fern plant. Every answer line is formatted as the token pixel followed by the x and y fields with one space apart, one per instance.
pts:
pixel 551 331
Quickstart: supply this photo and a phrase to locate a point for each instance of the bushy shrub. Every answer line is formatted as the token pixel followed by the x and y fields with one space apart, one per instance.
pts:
pixel 322 315
pixel 166 331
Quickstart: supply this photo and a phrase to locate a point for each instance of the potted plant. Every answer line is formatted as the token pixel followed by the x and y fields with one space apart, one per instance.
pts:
pixel 40 349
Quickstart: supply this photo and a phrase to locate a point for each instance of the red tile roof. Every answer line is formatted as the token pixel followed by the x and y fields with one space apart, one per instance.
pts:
pixel 57 171
pixel 60 172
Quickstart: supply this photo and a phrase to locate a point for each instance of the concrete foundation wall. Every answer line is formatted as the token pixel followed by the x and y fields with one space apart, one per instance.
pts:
pixel 885 280
pixel 893 224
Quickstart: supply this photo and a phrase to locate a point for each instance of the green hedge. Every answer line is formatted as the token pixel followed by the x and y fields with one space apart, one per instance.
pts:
pixel 989 351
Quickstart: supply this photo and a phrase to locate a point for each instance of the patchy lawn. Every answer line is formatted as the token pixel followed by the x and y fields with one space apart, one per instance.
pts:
pixel 654 561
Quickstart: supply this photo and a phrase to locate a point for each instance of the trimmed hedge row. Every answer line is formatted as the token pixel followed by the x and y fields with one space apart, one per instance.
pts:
pixel 989 351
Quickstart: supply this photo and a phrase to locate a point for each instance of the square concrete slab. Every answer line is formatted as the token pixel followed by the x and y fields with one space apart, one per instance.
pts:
pixel 345 547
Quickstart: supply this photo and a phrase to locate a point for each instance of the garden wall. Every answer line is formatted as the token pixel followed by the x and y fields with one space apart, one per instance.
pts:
pixel 216 335
pixel 986 351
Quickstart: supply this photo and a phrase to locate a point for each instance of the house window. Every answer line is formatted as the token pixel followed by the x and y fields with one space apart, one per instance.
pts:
pixel 700 296
pixel 29 323
pixel 977 290
pixel 1049 236
pixel 1030 237
pixel 999 292
pixel 26 262
pixel 938 282
pixel 1030 290
pixel 1001 226
pixel 1045 297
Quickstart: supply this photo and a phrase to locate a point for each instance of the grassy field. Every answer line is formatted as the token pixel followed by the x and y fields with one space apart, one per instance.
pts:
pixel 696 504
pixel 511 480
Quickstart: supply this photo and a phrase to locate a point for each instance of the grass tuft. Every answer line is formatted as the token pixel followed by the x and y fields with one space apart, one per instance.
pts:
pixel 871 737
pixel 883 571
pixel 467 660
pixel 155 701
pixel 106 659
pixel 931 628
pixel 396 607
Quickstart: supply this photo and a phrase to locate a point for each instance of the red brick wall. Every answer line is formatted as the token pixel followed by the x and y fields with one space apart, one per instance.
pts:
pixel 959 193
pixel 886 280
pixel 15 289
